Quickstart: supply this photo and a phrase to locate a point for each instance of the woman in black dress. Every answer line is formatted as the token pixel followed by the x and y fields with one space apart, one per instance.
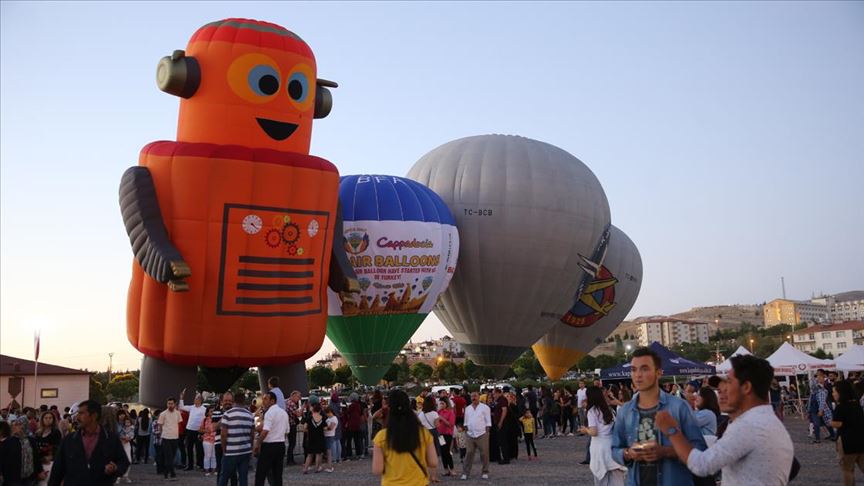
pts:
pixel 315 433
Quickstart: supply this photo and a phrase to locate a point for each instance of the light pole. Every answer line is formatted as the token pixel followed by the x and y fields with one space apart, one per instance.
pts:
pixel 751 344
pixel 717 339
pixel 110 363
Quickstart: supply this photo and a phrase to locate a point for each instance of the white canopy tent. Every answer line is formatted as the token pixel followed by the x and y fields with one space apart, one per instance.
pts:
pixel 788 360
pixel 724 367
pixel 852 359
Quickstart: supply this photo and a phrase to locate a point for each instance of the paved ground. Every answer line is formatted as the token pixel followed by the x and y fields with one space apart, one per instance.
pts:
pixel 558 465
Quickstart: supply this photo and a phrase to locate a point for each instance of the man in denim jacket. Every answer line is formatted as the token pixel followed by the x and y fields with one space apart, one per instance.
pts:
pixel 650 459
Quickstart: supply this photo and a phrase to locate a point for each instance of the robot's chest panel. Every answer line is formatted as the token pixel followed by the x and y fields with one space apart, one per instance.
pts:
pixel 272 261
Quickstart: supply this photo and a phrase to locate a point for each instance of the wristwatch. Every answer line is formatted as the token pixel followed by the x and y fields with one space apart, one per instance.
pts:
pixel 671 431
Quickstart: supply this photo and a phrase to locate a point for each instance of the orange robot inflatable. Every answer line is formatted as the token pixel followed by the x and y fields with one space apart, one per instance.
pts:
pixel 233 224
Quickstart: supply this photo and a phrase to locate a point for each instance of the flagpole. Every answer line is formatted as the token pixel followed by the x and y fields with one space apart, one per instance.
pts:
pixel 35 368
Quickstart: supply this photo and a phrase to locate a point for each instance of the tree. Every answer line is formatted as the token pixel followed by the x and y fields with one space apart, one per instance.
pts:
pixel 587 363
pixel 343 374
pixel 321 376
pixel 96 390
pixel 819 354
pixel 472 371
pixel 446 371
pixel 606 361
pixel 123 387
pixel 421 371
pixel 392 374
pixel 249 381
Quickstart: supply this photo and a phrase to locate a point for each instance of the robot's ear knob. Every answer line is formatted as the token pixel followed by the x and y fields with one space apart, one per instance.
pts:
pixel 178 74
pixel 323 102
pixel 323 97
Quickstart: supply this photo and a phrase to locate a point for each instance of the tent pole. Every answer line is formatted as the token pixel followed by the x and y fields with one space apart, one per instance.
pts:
pixel 800 404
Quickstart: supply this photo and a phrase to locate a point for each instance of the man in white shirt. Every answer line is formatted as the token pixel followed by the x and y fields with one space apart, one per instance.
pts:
pixel 273 386
pixel 581 402
pixel 478 422
pixel 756 448
pixel 169 424
pixel 270 446
pixel 194 427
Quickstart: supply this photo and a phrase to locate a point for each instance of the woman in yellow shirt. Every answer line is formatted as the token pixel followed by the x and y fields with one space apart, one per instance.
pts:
pixel 403 453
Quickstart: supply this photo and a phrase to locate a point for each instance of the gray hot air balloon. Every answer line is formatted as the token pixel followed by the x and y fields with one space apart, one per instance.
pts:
pixel 606 301
pixel 525 211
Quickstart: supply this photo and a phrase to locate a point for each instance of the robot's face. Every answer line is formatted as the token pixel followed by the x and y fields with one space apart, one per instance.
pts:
pixel 251 96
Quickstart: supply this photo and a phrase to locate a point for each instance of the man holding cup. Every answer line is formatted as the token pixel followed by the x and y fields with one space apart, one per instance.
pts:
pixel 636 442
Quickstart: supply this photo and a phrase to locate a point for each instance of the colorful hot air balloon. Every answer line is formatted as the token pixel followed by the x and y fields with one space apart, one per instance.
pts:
pixel 605 302
pixel 525 211
pixel 402 243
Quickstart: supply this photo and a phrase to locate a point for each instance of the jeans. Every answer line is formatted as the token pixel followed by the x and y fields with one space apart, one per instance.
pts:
pixel 209 455
pixel 235 465
pixel 169 451
pixel 292 444
pixel 819 422
pixel 334 447
pixel 233 478
pixel 446 455
pixel 143 449
pixel 270 464
pixel 194 450
pixel 549 428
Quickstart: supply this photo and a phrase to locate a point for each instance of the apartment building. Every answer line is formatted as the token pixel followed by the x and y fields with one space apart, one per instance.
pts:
pixel 670 332
pixel 833 338
pixel 783 311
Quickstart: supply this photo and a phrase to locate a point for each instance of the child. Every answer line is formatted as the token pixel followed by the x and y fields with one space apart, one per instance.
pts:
pixel 47 462
pixel 331 443
pixel 528 432
pixel 127 435
pixel 156 433
pixel 208 442
pixel 461 441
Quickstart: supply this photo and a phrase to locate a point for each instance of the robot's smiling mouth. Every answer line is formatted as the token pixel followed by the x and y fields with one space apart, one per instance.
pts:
pixel 275 129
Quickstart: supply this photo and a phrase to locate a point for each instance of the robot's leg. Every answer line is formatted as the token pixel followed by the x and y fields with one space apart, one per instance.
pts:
pixel 161 380
pixel 291 377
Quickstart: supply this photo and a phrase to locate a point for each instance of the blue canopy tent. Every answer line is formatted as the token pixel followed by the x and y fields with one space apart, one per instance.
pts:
pixel 672 364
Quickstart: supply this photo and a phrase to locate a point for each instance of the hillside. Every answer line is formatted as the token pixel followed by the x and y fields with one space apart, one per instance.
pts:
pixel 730 317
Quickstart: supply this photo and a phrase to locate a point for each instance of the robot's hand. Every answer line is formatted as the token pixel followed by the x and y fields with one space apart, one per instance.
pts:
pixel 179 271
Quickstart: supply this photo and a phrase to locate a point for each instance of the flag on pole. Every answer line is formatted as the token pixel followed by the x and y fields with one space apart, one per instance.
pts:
pixel 36 345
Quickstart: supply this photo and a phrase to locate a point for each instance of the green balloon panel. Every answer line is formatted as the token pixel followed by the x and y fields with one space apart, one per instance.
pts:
pixel 370 343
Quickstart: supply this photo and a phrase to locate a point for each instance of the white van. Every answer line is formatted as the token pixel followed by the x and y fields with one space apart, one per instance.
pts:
pixel 438 388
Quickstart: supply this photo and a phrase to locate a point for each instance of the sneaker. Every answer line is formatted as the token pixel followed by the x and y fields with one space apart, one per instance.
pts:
pixel 570 434
pixel 207 474
pixel 484 476
pixel 329 470
pixel 463 477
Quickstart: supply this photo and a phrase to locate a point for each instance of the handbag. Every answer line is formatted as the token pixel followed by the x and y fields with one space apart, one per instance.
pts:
pixel 434 431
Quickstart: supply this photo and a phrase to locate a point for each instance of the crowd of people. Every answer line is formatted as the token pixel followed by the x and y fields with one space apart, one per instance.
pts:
pixel 642 433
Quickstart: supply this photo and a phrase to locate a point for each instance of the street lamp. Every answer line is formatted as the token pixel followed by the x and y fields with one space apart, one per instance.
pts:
pixel 751 344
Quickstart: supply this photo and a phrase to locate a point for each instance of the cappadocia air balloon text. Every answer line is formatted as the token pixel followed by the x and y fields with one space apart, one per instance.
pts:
pixel 402 243
pixel 525 210
pixel 233 224
pixel 604 303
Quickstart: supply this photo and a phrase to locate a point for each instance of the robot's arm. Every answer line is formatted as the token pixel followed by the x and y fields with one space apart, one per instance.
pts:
pixel 154 251
pixel 342 276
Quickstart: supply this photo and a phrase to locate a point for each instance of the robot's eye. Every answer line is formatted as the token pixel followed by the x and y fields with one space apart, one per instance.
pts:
pixel 264 80
pixel 298 87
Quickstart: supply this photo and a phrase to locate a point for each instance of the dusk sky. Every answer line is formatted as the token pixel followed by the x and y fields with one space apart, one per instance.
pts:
pixel 729 137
